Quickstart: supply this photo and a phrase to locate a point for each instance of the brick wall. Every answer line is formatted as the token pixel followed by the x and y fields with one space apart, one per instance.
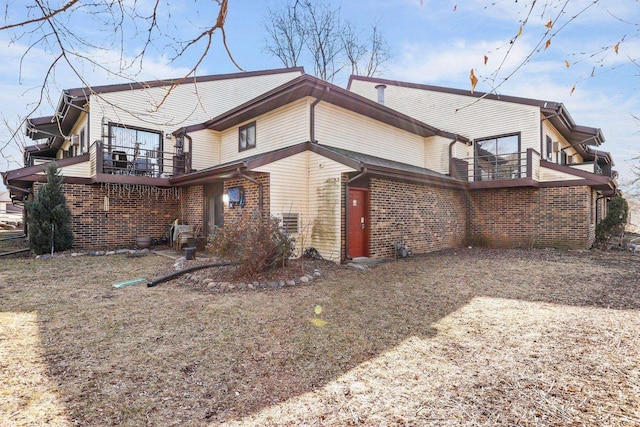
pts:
pixel 193 205
pixel 560 217
pixel 433 218
pixel 505 217
pixel 251 195
pixel 130 214
pixel 567 217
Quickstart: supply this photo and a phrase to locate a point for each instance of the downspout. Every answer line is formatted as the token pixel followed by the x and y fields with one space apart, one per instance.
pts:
pixel 187 165
pixel 312 119
pixel 260 190
pixel 363 172
pixel 451 154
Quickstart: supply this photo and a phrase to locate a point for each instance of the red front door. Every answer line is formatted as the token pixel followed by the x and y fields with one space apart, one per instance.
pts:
pixel 358 223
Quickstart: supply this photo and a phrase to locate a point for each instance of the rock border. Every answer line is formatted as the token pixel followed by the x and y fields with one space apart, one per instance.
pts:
pixel 198 279
pixel 131 252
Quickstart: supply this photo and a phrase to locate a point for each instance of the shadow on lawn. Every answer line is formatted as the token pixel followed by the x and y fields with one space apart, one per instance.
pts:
pixel 173 355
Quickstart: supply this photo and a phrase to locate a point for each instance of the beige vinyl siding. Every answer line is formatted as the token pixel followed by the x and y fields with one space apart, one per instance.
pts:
pixel 535 162
pixel 587 167
pixel 188 103
pixel 553 175
pixel 437 153
pixel 309 184
pixel 463 115
pixel 79 170
pixel 549 130
pixel 341 128
pixel 289 190
pixel 325 195
pixel 279 128
pixel 206 149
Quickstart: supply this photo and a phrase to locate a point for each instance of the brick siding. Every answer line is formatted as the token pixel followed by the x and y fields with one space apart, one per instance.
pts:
pixel 192 206
pixel 251 195
pixel 433 218
pixel 559 217
pixel 131 214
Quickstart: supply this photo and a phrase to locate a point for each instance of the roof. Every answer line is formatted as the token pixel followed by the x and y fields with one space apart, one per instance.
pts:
pixel 553 111
pixel 306 85
pixel 357 161
pixel 72 102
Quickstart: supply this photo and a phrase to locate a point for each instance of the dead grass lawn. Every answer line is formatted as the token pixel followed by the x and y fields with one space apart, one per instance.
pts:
pixel 471 337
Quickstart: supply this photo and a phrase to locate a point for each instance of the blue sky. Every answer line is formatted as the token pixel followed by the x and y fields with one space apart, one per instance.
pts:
pixel 433 42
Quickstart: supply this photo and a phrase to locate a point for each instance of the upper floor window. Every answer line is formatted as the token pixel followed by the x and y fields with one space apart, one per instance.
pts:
pixel 132 137
pixel 247 136
pixel 498 157
pixel 83 146
pixel 549 148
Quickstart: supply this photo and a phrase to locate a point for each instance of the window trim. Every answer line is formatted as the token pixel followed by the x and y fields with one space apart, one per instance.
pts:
pixel 478 141
pixel 549 144
pixel 244 128
pixel 135 128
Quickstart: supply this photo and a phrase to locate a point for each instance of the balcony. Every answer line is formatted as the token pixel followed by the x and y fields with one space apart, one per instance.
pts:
pixel 492 167
pixel 592 167
pixel 136 161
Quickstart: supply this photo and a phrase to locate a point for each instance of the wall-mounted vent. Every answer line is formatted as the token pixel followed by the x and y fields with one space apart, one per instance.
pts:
pixel 290 223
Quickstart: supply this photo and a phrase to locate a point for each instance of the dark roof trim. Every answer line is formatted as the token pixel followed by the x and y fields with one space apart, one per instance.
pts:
pixel 505 98
pixel 507 183
pixel 306 85
pixel 72 102
pixel 599 156
pixel 553 111
pixel 85 91
pixel 231 168
pixel 17 174
pixel 337 157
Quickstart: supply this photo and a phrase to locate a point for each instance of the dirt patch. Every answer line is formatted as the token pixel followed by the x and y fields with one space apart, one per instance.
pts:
pixel 466 337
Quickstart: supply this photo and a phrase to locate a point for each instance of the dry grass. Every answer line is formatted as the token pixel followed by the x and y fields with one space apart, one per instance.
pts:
pixel 473 337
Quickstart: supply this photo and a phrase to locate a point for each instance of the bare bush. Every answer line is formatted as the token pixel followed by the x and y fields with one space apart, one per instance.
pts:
pixel 257 243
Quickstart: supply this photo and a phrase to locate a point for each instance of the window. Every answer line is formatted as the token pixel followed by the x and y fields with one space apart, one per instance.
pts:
pixel 131 138
pixel 497 158
pixel 134 150
pixel 563 157
pixel 83 147
pixel 549 148
pixel 247 137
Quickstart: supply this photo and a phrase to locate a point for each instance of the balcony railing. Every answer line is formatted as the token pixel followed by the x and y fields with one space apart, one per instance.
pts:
pixel 138 161
pixel 492 167
pixel 592 167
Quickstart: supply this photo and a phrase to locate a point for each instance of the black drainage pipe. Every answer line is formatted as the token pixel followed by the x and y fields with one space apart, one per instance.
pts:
pixel 185 271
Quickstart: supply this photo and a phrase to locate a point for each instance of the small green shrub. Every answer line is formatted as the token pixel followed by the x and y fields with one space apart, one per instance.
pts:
pixel 257 243
pixel 614 222
pixel 49 217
